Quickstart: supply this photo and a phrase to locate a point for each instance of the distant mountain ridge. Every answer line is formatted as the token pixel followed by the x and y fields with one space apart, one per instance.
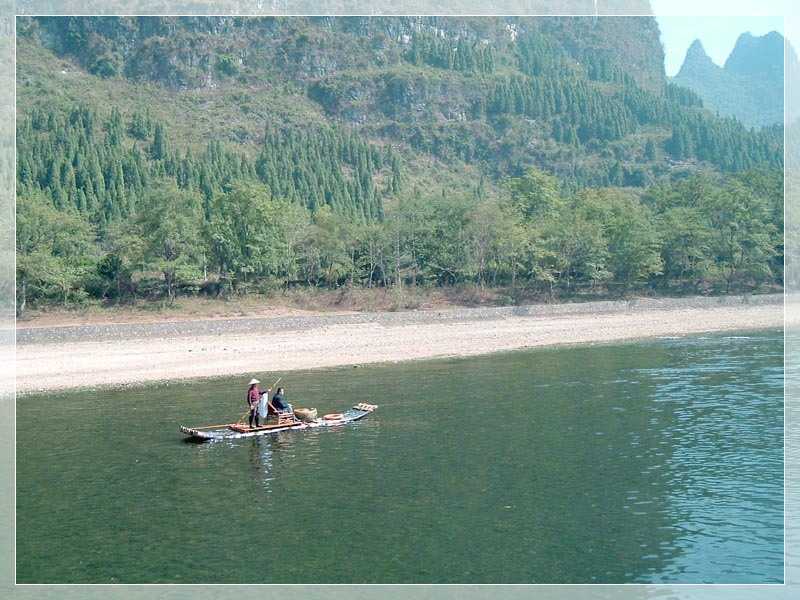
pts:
pixel 750 85
pixel 757 55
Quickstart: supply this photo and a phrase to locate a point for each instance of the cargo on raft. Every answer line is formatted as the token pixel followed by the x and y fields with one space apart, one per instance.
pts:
pixel 304 419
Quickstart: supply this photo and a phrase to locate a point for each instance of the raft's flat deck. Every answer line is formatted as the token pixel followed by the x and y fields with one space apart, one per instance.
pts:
pixel 247 429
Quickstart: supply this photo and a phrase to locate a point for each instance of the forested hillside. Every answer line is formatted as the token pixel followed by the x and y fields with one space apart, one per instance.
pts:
pixel 548 156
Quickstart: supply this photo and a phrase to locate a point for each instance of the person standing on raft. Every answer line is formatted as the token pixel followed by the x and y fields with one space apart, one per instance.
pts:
pixel 253 396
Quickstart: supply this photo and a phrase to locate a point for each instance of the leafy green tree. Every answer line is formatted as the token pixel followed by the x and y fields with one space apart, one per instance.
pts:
pixel 228 64
pixel 68 273
pixel 124 252
pixel 395 248
pixel 432 238
pixel 159 149
pixel 633 241
pixel 52 249
pixel 720 227
pixel 744 235
pixel 484 231
pixel 141 125
pixel 254 235
pixel 372 243
pixel 407 222
pixel 685 245
pixel 535 194
pixel 333 238
pixel 447 238
pixel 293 224
pixel 578 247
pixel 170 222
pixel 650 149
pixel 244 234
pixel 502 244
pixel 105 62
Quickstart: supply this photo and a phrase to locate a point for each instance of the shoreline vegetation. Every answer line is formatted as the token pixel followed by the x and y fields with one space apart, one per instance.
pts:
pixel 60 354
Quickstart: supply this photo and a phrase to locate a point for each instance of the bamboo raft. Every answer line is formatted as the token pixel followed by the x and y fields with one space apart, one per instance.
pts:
pixel 285 420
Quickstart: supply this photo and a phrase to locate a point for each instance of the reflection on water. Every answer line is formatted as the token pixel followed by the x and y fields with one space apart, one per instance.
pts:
pixel 657 462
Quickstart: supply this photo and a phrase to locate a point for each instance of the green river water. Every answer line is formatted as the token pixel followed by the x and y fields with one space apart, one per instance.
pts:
pixel 647 462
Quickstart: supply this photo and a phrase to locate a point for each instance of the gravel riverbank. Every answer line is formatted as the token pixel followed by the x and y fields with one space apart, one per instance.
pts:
pixel 134 353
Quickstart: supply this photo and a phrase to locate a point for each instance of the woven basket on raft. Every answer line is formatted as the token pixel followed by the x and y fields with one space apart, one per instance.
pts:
pixel 306 414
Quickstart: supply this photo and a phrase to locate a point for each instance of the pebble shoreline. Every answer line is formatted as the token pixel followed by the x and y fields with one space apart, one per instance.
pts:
pixel 133 354
pixel 170 329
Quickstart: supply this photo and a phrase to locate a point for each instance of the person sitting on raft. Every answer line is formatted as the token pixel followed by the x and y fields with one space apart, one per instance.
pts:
pixel 253 396
pixel 278 403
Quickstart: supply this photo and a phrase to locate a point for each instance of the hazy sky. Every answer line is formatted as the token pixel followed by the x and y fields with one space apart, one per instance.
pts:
pixel 718 24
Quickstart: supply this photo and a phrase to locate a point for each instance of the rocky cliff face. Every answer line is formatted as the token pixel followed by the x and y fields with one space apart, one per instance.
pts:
pixel 181 51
